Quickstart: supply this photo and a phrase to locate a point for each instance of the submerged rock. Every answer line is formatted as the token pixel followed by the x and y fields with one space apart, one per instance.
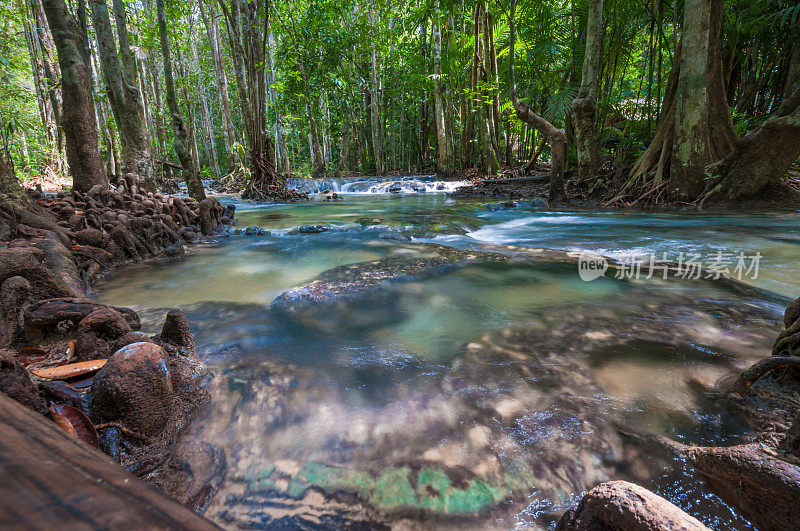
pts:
pixel 536 202
pixel 310 229
pixel 409 263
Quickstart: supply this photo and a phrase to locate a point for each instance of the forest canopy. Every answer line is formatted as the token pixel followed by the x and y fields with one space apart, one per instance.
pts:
pixel 252 92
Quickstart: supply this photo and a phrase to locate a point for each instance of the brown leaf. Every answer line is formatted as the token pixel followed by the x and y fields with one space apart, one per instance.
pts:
pixel 64 372
pixel 71 349
pixel 75 422
pixel 29 355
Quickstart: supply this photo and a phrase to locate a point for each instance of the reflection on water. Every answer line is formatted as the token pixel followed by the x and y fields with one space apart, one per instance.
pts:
pixel 492 391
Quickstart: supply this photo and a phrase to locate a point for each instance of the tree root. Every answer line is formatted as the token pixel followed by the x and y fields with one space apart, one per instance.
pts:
pixel 754 373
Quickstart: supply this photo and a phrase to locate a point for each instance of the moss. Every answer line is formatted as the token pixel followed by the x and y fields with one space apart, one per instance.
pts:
pixel 391 489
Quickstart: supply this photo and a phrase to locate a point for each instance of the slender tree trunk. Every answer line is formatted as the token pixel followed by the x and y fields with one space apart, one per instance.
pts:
pixel 272 98
pixel 52 73
pixel 221 79
pixel 318 158
pixel 191 173
pixel 375 113
pixel 78 114
pixel 443 161
pixel 554 135
pixel 584 107
pixel 205 116
pixel 488 133
pixel 46 111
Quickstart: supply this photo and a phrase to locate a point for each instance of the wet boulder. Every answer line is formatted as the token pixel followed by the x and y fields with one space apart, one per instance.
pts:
pixel 128 338
pixel 176 333
pixel 98 333
pixel 623 505
pixel 408 264
pixel 134 389
pixel 536 202
pixel 312 229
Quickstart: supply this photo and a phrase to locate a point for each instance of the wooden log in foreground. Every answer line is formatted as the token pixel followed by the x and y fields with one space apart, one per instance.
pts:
pixel 50 480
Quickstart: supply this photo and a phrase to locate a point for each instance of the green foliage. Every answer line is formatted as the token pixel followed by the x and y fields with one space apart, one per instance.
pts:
pixel 322 52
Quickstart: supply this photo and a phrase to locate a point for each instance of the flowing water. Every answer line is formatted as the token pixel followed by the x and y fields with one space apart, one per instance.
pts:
pixel 491 390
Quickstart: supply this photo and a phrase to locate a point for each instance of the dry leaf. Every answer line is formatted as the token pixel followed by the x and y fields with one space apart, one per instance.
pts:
pixel 64 372
pixel 75 422
pixel 71 349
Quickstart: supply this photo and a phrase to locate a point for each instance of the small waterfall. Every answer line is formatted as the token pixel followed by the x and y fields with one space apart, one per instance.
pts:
pixel 376 185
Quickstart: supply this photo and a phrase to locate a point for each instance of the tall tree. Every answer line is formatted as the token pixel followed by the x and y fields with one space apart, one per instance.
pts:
pixel 695 128
pixel 248 27
pixel 47 78
pixel 123 93
pixel 584 107
pixel 443 160
pixel 78 114
pixel 221 79
pixel 191 173
pixel 555 136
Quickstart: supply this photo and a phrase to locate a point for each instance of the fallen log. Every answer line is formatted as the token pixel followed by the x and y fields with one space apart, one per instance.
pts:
pixel 50 480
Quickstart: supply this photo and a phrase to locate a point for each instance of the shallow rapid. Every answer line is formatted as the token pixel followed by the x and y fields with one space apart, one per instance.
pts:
pixel 479 381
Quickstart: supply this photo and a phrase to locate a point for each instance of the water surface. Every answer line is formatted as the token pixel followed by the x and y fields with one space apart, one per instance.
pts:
pixel 491 394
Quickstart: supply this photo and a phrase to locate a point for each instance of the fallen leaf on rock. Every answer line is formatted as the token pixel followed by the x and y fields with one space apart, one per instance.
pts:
pixel 75 422
pixel 29 355
pixel 63 372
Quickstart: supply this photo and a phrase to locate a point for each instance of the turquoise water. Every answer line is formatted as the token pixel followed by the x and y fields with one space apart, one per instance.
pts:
pixel 483 394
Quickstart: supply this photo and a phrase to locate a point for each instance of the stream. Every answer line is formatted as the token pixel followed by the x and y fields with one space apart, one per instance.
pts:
pixel 491 390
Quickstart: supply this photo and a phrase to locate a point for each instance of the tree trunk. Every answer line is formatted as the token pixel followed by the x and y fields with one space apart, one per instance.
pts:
pixel 760 160
pixel 443 161
pixel 78 114
pixel 695 127
pixel 488 133
pixel 584 107
pixel 248 30
pixel 221 79
pixel 375 113
pixel 123 94
pixel 205 116
pixel 190 172
pixel 318 158
pixel 554 135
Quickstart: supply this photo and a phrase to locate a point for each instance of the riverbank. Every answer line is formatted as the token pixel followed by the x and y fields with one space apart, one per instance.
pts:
pixel 610 193
pixel 85 364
